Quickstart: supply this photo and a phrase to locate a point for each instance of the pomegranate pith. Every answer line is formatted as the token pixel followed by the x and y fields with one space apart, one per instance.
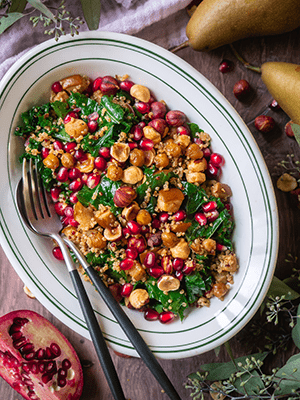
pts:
pixel 31 363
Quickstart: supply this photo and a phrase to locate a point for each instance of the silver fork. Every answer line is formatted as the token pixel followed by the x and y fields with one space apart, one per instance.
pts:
pixel 37 210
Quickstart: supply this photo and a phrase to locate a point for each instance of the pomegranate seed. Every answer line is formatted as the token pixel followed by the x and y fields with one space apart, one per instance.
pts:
pixel 66 364
pixel 131 253
pixel 61 382
pixel 55 349
pixel 274 105
pixel 126 264
pixel 26 367
pixel 46 378
pixel 100 163
pixel 80 155
pixel 70 146
pixel 145 229
pixel 29 356
pixel 137 243
pixel 142 107
pixel 40 354
pixel 58 145
pixel 212 216
pixel 134 227
pixel 104 152
pixel 19 343
pixel 178 264
pixel 132 145
pixel 163 217
pixel 146 144
pixel 220 247
pixel 62 373
pixel 125 232
pixel 73 222
pixel 16 335
pixel 73 198
pixel 137 132
pixel 57 253
pixel 180 215
pixel 55 191
pixel 126 85
pixel 166 316
pixel 126 289
pixel 20 321
pixel 27 348
pixel 45 152
pixel 201 218
pixel 216 160
pixel 63 174
pixel 71 114
pixel 14 328
pixel 226 66
pixel 183 130
pixel 74 174
pixel 210 206
pixel 59 208
pixel 93 180
pixel 188 268
pixel 156 271
pixel 213 171
pixel 76 185
pixel 206 152
pixel 150 259
pixel 93 126
pixel 156 223
pixel 42 366
pixel 33 366
pixel 151 315
pixel 56 87
pixel 96 84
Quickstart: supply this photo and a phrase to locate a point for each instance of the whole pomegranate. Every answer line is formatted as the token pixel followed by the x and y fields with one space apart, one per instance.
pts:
pixel 36 359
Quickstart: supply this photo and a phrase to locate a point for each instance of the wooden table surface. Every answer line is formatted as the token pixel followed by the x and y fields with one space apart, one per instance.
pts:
pixel 276 147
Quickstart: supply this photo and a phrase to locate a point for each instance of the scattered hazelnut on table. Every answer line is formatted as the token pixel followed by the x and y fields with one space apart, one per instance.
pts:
pixel 242 89
pixel 288 129
pixel 264 123
pixel 28 292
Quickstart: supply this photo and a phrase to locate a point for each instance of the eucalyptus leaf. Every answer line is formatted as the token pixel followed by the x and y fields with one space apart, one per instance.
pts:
pixel 288 377
pixel 279 288
pixel 42 8
pixel 296 330
pixel 221 371
pixel 6 22
pixel 296 131
pixel 17 6
pixel 249 385
pixel 91 11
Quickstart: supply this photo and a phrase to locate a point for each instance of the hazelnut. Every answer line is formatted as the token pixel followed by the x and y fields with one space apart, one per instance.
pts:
pixel 51 161
pixel 130 212
pixel 137 157
pixel 138 298
pixel 194 152
pixel 242 89
pixel 288 129
pixel 176 118
pixel 143 217
pixel 149 157
pixel 124 196
pixel 170 200
pixel 169 239
pixel 167 283
pixel 114 172
pixel 152 134
pixel 140 92
pixel 67 160
pixel 86 165
pixel 161 160
pixel 264 123
pixel 76 128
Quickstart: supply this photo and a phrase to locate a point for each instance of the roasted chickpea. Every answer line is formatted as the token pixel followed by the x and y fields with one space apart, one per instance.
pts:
pixel 76 128
pixel 140 92
pixel 183 141
pixel 137 157
pixel 132 175
pixel 161 160
pixel 51 161
pixel 172 149
pixel 194 152
pixel 198 165
pixel 152 134
pixel 114 172
pixel 195 177
pixel 67 160
pixel 143 217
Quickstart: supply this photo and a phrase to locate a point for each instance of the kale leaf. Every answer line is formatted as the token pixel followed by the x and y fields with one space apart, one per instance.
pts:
pixel 196 285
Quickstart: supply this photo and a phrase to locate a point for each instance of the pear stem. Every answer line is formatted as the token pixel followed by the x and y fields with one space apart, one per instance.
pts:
pixel 180 46
pixel 244 62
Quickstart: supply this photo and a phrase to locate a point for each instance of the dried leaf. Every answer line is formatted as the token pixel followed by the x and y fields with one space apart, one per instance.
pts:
pixel 91 11
pixel 6 22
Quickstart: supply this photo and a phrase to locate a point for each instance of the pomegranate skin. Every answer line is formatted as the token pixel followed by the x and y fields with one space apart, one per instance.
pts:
pixel 39 332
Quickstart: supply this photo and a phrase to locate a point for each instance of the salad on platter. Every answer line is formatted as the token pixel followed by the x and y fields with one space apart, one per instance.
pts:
pixel 137 188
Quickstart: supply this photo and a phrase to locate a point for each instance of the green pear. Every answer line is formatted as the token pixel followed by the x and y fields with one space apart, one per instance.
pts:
pixel 219 22
pixel 283 82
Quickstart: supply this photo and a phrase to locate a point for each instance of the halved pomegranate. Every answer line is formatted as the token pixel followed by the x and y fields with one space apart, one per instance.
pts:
pixel 36 359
